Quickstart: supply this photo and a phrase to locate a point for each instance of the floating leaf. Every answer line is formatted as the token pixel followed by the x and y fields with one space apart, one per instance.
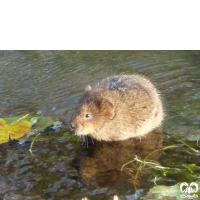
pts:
pixel 39 122
pixel 43 122
pixel 14 131
pixel 2 124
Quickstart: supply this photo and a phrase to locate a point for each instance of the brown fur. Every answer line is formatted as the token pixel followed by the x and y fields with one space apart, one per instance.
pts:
pixel 119 107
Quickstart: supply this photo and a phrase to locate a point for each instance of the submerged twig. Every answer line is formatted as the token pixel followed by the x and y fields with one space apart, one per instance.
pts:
pixel 20 118
pixel 189 146
pixel 30 150
pixel 151 164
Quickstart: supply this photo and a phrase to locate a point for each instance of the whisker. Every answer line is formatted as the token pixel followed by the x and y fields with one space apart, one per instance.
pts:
pixel 86 141
pixel 92 140
pixel 79 137
pixel 83 139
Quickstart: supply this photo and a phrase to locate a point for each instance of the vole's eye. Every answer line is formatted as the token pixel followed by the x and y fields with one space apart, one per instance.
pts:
pixel 88 116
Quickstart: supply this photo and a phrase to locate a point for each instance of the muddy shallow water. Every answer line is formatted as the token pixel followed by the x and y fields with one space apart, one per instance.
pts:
pixel 51 82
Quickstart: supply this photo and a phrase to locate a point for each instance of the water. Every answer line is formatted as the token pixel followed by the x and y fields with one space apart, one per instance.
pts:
pixel 51 82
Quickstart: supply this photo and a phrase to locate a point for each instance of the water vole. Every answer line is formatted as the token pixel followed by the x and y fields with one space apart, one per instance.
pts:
pixel 118 108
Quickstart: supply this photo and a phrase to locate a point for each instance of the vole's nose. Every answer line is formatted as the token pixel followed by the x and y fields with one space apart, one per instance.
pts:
pixel 72 125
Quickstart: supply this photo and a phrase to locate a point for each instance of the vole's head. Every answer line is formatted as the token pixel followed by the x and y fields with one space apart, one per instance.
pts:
pixel 91 113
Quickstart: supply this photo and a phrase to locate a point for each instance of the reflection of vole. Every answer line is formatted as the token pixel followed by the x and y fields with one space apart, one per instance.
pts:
pixel 100 165
pixel 117 108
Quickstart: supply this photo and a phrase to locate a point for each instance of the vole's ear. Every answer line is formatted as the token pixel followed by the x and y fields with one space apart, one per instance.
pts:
pixel 107 109
pixel 88 88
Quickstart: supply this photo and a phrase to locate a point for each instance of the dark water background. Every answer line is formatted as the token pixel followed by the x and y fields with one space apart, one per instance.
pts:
pixel 50 83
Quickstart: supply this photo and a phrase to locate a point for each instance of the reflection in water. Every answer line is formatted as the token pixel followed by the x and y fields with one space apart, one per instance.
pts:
pixel 100 165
